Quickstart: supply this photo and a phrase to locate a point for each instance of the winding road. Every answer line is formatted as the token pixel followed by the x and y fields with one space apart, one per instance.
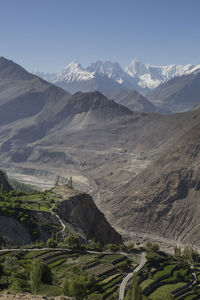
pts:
pixel 126 279
pixel 62 224
pixel 59 219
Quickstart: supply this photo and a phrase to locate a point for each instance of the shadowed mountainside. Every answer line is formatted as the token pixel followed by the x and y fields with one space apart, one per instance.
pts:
pixel 178 94
pixel 4 184
pixel 131 99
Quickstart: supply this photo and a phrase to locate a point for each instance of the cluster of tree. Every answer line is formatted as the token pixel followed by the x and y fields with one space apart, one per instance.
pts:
pixel 187 253
pixel 152 254
pixel 71 241
pixel 17 273
pixel 24 277
pixel 39 273
pixel 80 284
pixel 135 293
pixel 69 182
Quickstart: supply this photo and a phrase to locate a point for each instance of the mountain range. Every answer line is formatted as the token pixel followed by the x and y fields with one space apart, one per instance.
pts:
pixel 179 93
pixel 138 76
pixel 141 168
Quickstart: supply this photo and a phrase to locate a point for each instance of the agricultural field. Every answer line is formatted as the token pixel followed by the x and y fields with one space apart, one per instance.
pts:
pixel 106 271
pixel 18 200
pixel 169 277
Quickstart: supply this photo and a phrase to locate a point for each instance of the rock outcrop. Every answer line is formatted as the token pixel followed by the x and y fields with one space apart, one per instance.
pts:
pixel 4 184
pixel 80 211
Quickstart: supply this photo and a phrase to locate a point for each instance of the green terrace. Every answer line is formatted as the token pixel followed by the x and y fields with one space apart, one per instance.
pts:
pixel 167 275
pixel 106 270
pixel 39 201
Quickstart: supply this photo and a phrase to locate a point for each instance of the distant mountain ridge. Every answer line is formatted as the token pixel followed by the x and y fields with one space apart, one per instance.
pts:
pixel 138 76
pixel 179 93
pixel 132 99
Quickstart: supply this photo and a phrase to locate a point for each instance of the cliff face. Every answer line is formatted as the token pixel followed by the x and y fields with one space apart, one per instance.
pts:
pixel 76 213
pixel 4 185
pixel 80 210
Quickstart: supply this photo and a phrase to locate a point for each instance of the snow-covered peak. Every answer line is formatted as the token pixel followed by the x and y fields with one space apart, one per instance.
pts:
pixel 74 71
pixel 137 68
pixel 138 76
pixel 73 66
pixel 108 68
pixel 151 76
pixel 194 69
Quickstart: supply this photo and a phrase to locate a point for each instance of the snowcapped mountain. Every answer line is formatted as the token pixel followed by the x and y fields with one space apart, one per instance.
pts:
pixel 75 78
pixel 150 76
pixel 74 71
pixel 138 76
pixel 108 68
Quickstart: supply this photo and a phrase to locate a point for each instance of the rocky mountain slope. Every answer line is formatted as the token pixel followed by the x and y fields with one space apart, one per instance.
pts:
pixel 4 184
pixel 163 200
pixel 131 99
pixel 103 146
pixel 178 94
pixel 97 141
pixel 79 210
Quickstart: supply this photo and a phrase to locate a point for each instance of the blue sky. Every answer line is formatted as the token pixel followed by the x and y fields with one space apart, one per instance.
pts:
pixel 46 35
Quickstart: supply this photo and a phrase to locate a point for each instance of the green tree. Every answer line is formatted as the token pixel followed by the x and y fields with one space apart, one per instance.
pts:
pixel 112 247
pixel 70 183
pixel 16 286
pixel 56 182
pixel 51 243
pixel 47 276
pixel 72 241
pixel 65 287
pixel 177 251
pixel 78 288
pixel 136 290
pixel 35 276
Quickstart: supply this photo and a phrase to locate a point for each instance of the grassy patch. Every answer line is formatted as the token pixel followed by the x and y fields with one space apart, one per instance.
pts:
pixel 57 262
pixel 101 269
pixel 165 271
pixel 165 290
pixel 111 258
pixel 109 278
pixel 146 283
pixel 177 274
pixel 190 297
pixel 49 290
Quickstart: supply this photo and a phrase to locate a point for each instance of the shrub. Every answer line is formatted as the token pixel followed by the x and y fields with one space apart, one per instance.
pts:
pixel 72 241
pixel 51 243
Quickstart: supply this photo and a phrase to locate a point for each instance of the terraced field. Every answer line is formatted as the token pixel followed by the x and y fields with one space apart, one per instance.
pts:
pixel 38 201
pixel 170 276
pixel 108 269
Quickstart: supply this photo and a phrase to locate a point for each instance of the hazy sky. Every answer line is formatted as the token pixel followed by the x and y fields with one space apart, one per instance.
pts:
pixel 46 35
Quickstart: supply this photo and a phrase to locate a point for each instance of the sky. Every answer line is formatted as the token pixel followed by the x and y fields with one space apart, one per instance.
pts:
pixel 46 35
